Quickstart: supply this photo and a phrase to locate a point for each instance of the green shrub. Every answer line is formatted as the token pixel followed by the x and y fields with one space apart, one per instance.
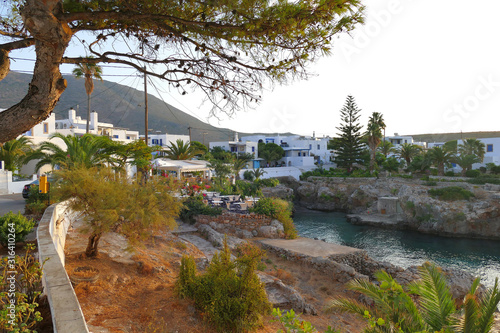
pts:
pixel 248 188
pixel 278 209
pixel 495 169
pixel 269 182
pixel 451 193
pixel 449 174
pixel 248 175
pixel 15 224
pixel 187 276
pixel 28 278
pixel 37 202
pixel 229 294
pixel 430 183
pixel 472 173
pixel 483 179
pixel 194 206
pixel 35 208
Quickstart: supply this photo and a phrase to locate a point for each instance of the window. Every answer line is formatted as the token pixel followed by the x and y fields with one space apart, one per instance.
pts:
pixel 161 142
pixel 299 153
pixel 128 137
pixel 489 148
pixel 115 136
pixel 45 128
pixel 319 147
pixel 155 141
pixel 253 149
pixel 234 149
pixel 310 146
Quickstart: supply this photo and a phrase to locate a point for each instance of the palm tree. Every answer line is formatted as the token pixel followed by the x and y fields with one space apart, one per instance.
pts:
pixel 373 135
pixel 257 173
pixel 85 151
pixel 472 147
pixel 240 162
pixel 408 151
pixel 440 157
pixel 386 147
pixel 13 153
pixel 89 71
pixel 395 310
pixel 466 161
pixel 181 150
pixel 136 153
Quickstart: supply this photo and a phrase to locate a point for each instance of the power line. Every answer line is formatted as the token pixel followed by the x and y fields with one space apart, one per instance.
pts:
pixel 122 75
pixel 33 60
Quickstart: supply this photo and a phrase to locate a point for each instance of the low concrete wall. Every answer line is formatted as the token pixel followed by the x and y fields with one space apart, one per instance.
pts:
pixel 67 316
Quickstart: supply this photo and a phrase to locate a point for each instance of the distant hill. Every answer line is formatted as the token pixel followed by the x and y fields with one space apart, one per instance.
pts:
pixel 444 137
pixel 120 105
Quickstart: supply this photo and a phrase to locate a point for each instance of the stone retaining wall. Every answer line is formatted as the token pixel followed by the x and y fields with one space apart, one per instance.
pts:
pixel 67 316
pixel 241 221
pixel 339 271
pixel 243 225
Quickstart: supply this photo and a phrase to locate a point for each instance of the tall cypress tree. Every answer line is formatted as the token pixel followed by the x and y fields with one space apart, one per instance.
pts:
pixel 348 145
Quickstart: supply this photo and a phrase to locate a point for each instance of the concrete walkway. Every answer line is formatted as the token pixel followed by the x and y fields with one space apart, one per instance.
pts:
pixel 311 247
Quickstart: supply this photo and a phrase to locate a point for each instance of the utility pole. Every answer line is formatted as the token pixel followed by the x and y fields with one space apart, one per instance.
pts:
pixel 189 129
pixel 146 107
pixel 204 133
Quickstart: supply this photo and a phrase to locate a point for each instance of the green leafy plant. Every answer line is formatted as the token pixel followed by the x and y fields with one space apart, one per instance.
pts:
pixel 27 273
pixel 14 224
pixel 451 193
pixel 291 323
pixel 229 294
pixel 472 173
pixel 194 206
pixel 277 209
pixel 426 306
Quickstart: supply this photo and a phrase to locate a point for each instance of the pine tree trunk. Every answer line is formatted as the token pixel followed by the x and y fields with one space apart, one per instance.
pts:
pixel 51 40
pixel 92 245
pixel 88 113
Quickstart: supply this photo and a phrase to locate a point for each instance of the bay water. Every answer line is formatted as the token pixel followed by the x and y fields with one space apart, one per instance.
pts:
pixel 402 247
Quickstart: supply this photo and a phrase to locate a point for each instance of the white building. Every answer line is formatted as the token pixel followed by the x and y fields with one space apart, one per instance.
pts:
pixel 75 125
pixel 164 140
pixel 240 147
pixel 299 150
pixel 397 140
pixel 491 155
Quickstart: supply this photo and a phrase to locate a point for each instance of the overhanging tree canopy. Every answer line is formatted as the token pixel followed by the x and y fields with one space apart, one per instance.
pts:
pixel 228 49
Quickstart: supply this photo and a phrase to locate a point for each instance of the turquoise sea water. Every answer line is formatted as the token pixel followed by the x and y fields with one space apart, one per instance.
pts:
pixel 404 248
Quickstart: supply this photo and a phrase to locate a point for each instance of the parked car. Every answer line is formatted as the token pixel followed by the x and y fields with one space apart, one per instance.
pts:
pixel 26 188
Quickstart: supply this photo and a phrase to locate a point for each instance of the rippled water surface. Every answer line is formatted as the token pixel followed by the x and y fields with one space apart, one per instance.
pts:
pixel 404 248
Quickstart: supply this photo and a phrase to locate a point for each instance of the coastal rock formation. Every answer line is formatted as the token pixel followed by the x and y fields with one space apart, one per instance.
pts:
pixel 416 209
pixel 283 296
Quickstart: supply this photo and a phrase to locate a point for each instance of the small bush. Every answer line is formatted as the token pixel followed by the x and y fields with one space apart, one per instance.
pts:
pixel 495 169
pixel 229 294
pixel 430 183
pixel 278 209
pixel 483 179
pixel 449 174
pixel 269 182
pixel 194 206
pixel 472 173
pixel 248 175
pixel 451 193
pixel 15 224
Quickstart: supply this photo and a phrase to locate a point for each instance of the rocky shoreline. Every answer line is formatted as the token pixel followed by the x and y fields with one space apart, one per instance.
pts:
pixel 399 203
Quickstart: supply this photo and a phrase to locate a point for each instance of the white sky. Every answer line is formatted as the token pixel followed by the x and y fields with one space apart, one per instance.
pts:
pixel 427 66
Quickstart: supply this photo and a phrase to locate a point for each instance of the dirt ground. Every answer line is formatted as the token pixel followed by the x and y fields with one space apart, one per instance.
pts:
pixel 136 293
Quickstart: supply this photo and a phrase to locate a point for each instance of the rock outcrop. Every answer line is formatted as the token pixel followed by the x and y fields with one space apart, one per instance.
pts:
pixel 417 210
